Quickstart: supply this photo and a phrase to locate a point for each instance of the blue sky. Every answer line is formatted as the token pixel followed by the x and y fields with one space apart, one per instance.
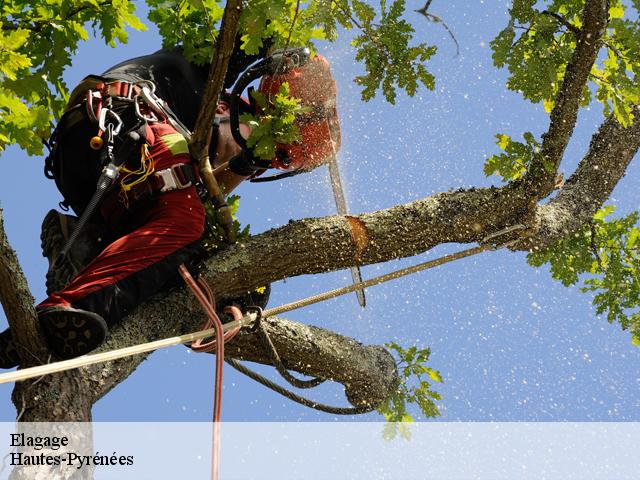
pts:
pixel 511 344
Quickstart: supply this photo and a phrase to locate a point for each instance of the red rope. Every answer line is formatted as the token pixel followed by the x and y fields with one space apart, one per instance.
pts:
pixel 205 296
pixel 199 345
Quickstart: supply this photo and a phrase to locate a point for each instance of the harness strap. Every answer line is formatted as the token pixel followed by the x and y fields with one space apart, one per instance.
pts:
pixel 120 89
pixel 177 177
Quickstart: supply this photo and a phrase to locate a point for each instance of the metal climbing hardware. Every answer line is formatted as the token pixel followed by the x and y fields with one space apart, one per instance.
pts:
pixel 159 107
pixel 109 120
pixel 100 94
pixel 171 180
pixel 104 116
pixel 146 116
pixel 93 104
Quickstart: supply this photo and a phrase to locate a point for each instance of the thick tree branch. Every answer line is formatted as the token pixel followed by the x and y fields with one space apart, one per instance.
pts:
pixel 63 397
pixel 541 176
pixel 323 244
pixel 63 392
pixel 367 372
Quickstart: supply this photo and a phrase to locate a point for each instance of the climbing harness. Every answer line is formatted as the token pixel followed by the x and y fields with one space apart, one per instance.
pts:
pixel 98 103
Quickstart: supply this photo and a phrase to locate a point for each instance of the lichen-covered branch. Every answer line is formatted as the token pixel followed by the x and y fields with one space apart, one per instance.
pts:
pixel 323 244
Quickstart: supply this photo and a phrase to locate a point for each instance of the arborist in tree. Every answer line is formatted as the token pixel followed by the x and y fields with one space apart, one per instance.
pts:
pixel 135 119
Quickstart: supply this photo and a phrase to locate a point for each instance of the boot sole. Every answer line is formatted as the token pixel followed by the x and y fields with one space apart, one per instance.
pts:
pixel 70 333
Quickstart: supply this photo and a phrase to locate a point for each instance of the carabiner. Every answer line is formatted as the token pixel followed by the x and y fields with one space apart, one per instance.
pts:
pixel 151 117
pixel 94 114
pixel 116 122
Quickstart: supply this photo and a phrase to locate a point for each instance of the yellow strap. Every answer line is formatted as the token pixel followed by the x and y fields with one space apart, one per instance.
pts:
pixel 140 175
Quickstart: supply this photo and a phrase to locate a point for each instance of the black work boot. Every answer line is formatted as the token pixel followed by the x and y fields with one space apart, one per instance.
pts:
pixel 8 352
pixel 71 332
